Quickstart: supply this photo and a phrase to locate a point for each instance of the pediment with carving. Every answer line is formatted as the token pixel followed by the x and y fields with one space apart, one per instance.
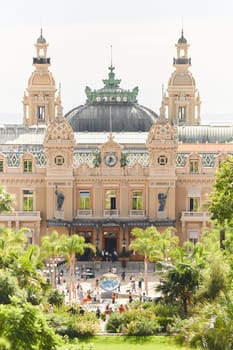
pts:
pixel 111 144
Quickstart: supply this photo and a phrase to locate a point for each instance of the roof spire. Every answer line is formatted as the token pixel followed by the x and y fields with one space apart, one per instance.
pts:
pixel 111 55
pixel 41 39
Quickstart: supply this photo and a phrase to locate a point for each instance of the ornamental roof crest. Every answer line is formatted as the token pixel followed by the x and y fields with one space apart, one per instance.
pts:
pixel 161 131
pixel 59 131
pixel 111 92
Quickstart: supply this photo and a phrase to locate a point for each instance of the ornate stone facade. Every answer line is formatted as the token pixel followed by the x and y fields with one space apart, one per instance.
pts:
pixel 102 184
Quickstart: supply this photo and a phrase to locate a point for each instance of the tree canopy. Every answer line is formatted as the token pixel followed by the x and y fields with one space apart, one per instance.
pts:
pixel 221 200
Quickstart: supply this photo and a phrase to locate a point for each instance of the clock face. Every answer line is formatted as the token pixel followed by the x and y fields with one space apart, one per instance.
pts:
pixel 110 159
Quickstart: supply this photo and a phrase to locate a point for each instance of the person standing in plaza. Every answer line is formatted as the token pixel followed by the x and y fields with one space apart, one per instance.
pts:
pixel 140 280
pixel 113 297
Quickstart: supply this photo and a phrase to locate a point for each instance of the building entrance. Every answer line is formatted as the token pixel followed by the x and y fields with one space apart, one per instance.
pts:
pixel 110 245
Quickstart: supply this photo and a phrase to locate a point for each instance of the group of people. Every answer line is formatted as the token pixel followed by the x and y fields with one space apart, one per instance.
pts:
pixel 133 283
pixel 109 255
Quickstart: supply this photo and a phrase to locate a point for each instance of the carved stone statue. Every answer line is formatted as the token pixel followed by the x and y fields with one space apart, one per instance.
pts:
pixel 60 199
pixel 162 201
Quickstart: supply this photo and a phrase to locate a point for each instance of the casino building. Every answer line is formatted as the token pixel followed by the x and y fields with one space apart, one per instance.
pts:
pixel 111 164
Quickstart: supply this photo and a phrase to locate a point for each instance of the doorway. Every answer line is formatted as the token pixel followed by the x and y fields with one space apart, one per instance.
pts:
pixel 110 244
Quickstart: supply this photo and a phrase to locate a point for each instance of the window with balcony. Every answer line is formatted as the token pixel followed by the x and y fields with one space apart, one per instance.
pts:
pixel 84 200
pixel 27 166
pixel 137 200
pixel 1 166
pixel 27 200
pixel 193 166
pixel 110 199
pixel 193 203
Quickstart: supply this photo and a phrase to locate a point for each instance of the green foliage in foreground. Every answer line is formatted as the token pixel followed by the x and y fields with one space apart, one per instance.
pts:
pixel 211 327
pixel 25 328
pixel 72 325
pixel 8 287
pixel 142 319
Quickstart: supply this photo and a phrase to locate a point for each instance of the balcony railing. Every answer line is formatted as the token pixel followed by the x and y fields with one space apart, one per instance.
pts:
pixel 137 213
pixel 41 60
pixel 20 216
pixel 84 212
pixel 195 216
pixel 111 212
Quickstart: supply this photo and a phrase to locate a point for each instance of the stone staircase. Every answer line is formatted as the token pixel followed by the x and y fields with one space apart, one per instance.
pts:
pixel 101 267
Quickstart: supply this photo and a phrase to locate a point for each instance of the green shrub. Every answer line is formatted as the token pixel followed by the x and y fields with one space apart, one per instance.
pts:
pixel 74 325
pixel 162 309
pixel 114 323
pixel 56 298
pixel 8 287
pixel 86 325
pixel 59 322
pixel 164 322
pixel 143 326
pixel 26 328
pixel 34 295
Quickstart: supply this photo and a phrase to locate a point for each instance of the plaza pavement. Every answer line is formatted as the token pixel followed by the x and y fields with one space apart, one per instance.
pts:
pixel 99 296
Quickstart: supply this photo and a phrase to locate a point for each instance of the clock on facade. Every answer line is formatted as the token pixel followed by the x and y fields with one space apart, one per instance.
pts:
pixel 110 159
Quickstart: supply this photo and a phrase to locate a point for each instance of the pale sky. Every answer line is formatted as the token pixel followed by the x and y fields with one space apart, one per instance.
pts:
pixel 143 34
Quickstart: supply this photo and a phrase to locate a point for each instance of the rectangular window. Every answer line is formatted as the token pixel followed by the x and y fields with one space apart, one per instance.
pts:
pixel 27 200
pixel 193 166
pixel 182 113
pixel 193 203
pixel 110 199
pixel 137 200
pixel 1 166
pixel 40 113
pixel 27 166
pixel 84 200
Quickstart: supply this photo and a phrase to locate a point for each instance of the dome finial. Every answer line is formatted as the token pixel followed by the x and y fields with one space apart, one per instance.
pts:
pixel 111 55
pixel 182 39
pixel 41 39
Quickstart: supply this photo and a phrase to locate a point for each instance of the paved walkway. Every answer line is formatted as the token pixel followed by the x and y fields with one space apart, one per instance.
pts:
pixel 99 296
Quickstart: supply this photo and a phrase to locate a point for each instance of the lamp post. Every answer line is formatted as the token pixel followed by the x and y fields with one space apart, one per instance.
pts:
pixel 51 270
pixel 123 243
pixel 123 239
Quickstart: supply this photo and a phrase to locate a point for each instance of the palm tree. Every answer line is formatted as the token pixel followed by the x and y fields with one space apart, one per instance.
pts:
pixel 70 246
pixel 51 249
pixel 147 242
pixel 166 244
pixel 11 245
pixel 179 283
pixel 25 268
